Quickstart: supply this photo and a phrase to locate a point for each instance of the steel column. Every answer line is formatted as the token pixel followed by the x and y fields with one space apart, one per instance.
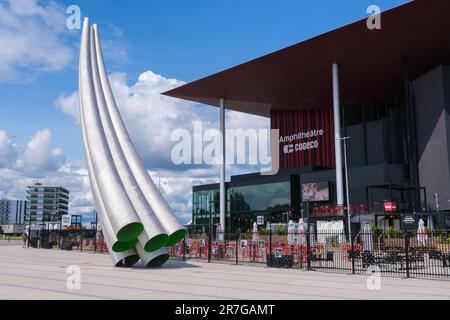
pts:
pixel 337 136
pixel 222 169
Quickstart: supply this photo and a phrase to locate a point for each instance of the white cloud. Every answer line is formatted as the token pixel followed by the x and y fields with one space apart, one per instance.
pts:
pixel 151 118
pixel 31 34
pixel 40 160
pixel 8 150
pixel 69 105
pixel 40 155
pixel 115 50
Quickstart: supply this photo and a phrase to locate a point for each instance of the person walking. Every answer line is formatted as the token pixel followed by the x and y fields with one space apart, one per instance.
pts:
pixel 24 239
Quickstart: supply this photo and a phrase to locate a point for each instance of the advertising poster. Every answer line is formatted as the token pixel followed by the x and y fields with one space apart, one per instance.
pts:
pixel 316 191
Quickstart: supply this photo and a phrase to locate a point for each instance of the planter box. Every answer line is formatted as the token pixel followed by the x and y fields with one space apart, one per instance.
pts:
pixel 444 248
pixel 394 243
pixel 275 239
pixel 283 262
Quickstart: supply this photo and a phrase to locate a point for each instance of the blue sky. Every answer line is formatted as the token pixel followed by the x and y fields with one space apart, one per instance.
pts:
pixel 179 39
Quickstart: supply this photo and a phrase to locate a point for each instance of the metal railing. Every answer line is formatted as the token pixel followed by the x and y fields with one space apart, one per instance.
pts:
pixel 400 254
pixel 72 240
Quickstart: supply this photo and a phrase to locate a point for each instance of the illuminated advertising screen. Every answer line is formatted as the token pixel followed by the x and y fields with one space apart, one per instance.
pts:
pixel 316 191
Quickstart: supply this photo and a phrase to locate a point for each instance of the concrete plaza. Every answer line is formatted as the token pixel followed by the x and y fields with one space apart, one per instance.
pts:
pixel 41 274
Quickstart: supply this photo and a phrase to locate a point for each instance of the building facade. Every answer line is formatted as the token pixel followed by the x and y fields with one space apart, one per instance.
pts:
pixel 383 112
pixel 248 196
pixel 12 211
pixel 380 167
pixel 4 211
pixel 46 203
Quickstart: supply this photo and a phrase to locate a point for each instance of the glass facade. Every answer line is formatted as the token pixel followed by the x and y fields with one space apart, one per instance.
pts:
pixel 5 210
pixel 244 204
pixel 205 206
pixel 260 198
pixel 12 211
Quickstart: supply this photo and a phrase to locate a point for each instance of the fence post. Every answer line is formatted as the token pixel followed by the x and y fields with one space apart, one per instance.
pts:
pixel 237 248
pixel 353 255
pixel 95 241
pixel 407 253
pixel 308 249
pixel 209 244
pixel 184 249
pixel 270 248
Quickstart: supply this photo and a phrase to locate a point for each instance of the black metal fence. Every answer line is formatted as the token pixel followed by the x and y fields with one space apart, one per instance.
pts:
pixel 76 240
pixel 399 254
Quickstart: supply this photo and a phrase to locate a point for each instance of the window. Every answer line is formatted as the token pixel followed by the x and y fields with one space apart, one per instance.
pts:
pixel 265 197
pixel 206 205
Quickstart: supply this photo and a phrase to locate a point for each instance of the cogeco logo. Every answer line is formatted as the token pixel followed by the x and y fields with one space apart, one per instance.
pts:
pixel 291 148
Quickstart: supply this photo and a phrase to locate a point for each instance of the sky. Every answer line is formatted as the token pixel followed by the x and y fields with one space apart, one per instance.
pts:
pixel 150 47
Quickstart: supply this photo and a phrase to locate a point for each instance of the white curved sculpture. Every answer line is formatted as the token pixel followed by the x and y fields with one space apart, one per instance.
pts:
pixel 124 219
pixel 153 259
pixel 154 235
pixel 107 229
pixel 145 183
pixel 131 210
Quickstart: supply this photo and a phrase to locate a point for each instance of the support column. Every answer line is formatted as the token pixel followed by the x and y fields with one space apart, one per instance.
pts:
pixel 222 168
pixel 337 136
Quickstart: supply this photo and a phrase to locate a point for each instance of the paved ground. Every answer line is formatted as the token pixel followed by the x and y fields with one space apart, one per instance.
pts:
pixel 10 243
pixel 41 274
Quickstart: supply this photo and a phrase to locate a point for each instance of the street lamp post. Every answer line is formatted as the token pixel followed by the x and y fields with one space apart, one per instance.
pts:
pixel 349 223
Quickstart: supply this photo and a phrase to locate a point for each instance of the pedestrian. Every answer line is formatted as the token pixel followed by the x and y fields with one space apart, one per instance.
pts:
pixel 24 239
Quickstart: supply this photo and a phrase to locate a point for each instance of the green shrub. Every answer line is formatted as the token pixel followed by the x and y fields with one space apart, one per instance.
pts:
pixel 393 232
pixel 281 230
pixel 444 239
pixel 375 229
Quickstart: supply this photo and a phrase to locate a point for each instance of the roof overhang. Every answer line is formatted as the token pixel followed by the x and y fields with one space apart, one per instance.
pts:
pixel 300 76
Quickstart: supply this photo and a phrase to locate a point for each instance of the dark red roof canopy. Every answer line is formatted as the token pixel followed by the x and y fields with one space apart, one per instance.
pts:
pixel 371 66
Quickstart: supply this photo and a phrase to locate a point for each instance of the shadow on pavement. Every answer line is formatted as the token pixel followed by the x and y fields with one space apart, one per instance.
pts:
pixel 171 264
